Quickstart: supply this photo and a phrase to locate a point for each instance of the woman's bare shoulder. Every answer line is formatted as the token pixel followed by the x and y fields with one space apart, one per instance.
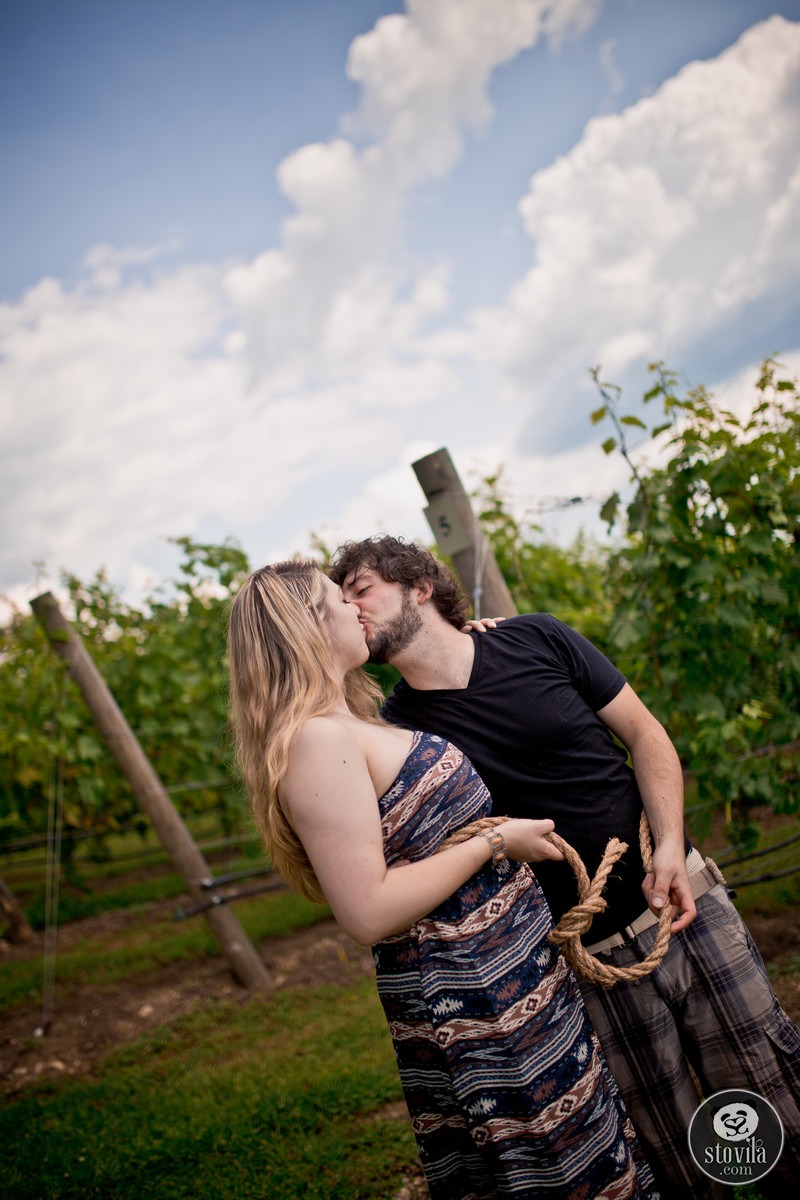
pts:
pixel 321 738
pixel 324 728
pixel 325 756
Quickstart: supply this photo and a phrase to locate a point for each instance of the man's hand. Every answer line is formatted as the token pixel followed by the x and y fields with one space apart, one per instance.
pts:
pixel 669 883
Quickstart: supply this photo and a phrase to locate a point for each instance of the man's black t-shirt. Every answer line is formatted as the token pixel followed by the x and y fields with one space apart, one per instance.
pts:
pixel 527 720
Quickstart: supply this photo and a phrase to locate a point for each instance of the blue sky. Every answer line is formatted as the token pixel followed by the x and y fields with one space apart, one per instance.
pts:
pixel 131 122
pixel 258 257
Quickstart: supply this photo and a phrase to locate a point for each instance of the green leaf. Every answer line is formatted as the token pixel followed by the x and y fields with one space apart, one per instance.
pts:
pixel 705 587
pixel 773 593
pixel 69 718
pixel 88 748
pixel 632 421
pixel 609 510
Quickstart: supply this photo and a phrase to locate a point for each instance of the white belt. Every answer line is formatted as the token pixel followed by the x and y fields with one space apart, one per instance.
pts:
pixel 703 875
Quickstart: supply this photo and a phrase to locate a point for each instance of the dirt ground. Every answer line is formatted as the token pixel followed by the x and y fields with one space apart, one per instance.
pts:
pixel 87 1021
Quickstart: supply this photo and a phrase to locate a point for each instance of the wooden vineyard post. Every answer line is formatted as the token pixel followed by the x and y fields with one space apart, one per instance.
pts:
pixel 455 528
pixel 242 956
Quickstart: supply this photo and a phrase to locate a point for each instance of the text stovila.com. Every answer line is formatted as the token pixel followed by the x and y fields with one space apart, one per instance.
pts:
pixel 750 1153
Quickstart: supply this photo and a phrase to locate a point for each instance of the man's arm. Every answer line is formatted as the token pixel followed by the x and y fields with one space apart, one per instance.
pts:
pixel 660 779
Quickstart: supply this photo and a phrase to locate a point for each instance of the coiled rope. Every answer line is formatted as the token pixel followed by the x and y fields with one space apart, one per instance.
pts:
pixel 577 920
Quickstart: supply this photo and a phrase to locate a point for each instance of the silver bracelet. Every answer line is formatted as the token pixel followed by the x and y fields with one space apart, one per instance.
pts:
pixel 498 844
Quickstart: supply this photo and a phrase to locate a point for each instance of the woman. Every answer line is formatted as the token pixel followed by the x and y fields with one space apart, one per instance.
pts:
pixel 508 1092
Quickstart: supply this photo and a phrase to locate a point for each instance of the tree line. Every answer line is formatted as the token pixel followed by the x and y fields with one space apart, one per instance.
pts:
pixel 695 595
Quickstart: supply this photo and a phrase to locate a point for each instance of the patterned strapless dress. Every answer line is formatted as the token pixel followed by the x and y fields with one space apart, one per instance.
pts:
pixel 505 1082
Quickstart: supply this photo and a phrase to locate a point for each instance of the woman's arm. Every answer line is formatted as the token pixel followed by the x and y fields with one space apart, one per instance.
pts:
pixel 330 800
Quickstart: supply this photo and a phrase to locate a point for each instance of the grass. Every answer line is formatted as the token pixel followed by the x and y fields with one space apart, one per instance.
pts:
pixel 274 1099
pixel 271 1099
pixel 788 968
pixel 149 943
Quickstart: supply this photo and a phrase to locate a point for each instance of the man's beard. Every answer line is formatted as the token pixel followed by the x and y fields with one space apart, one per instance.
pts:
pixel 391 639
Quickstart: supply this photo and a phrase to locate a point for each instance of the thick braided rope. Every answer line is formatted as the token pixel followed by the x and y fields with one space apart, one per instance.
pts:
pixel 574 923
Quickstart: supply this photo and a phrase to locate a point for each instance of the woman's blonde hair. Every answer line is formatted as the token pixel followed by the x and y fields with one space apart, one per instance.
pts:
pixel 282 674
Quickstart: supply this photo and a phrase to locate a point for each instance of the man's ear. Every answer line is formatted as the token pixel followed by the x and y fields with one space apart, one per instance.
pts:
pixel 424 591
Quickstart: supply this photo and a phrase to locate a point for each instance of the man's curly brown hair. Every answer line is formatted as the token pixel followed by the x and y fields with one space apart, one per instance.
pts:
pixel 403 562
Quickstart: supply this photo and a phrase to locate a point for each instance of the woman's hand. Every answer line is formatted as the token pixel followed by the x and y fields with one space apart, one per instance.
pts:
pixel 526 840
pixel 481 624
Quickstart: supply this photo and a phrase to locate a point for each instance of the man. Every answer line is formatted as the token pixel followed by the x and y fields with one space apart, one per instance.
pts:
pixel 537 708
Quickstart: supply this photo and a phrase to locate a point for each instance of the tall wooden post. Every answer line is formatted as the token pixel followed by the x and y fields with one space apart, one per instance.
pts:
pixel 149 791
pixel 455 528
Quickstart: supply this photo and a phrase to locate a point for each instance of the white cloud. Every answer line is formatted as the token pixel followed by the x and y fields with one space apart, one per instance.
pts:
pixel 391 501
pixel 291 393
pixel 424 77
pixel 606 55
pixel 425 74
pixel 103 391
pixel 660 225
